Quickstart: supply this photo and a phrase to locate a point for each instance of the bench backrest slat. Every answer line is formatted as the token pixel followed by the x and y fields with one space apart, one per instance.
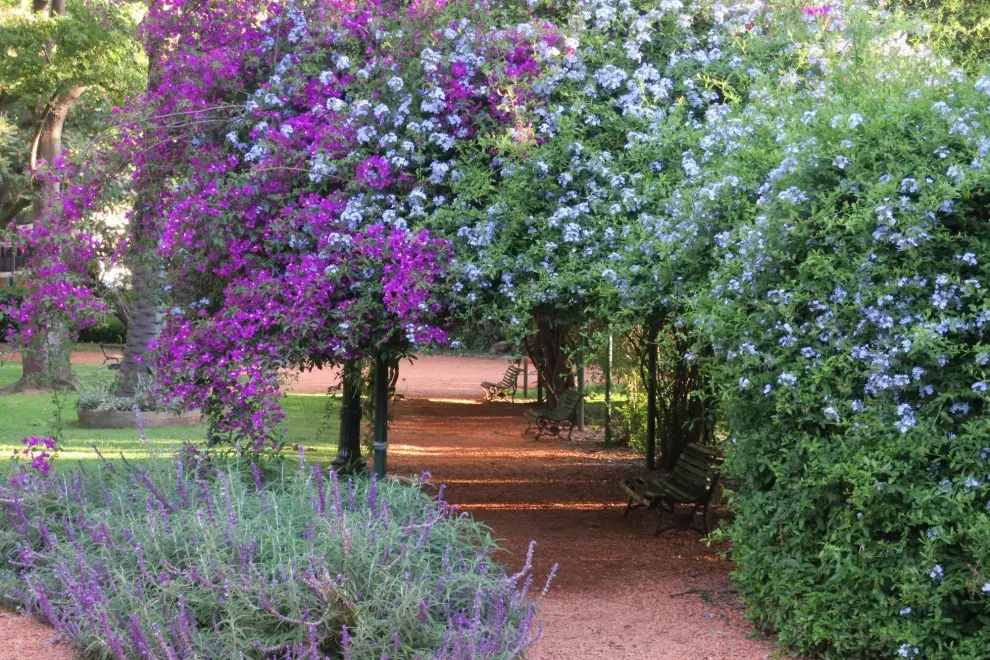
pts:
pixel 568 402
pixel 510 377
pixel 695 468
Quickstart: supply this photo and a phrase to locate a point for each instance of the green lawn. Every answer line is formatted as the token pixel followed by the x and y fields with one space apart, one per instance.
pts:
pixel 308 421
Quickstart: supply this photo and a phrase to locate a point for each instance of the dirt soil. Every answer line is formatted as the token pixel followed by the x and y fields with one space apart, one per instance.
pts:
pixel 616 592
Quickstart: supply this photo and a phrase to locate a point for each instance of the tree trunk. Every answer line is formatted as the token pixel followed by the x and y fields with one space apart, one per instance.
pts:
pixel 147 311
pixel 651 394
pixel 147 315
pixel 548 354
pixel 45 361
pixel 349 459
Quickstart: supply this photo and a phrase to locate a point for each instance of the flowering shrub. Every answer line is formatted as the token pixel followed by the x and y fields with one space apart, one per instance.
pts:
pixel 297 179
pixel 848 311
pixel 209 559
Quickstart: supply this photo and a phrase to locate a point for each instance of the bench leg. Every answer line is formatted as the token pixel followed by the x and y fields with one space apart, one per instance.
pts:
pixel 629 507
pixel 704 519
pixel 683 522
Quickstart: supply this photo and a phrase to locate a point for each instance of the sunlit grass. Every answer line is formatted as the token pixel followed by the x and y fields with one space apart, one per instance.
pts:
pixel 310 420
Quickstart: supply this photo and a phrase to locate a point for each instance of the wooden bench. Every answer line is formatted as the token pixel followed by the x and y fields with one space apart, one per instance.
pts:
pixel 553 422
pixel 692 482
pixel 112 355
pixel 505 388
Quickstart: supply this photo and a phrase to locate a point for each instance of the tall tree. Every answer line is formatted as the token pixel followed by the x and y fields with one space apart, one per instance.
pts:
pixel 65 62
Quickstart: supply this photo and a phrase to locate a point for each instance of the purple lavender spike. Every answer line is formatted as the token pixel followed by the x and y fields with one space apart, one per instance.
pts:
pixel 373 495
pixel 321 496
pixel 111 639
pixel 345 642
pixel 256 473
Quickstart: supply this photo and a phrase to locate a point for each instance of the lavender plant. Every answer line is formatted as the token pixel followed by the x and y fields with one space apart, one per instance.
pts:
pixel 199 558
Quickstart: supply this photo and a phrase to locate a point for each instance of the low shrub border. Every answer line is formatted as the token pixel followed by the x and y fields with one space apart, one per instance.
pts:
pixel 208 558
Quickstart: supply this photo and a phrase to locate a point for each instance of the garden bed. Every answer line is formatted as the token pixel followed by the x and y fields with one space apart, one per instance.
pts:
pixel 127 419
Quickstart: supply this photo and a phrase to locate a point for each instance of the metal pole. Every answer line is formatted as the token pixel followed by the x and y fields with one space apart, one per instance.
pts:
pixel 348 459
pixel 608 393
pixel 525 362
pixel 580 384
pixel 651 400
pixel 381 415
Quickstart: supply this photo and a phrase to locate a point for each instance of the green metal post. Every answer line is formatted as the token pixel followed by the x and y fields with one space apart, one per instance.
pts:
pixel 348 459
pixel 580 384
pixel 608 393
pixel 525 364
pixel 381 415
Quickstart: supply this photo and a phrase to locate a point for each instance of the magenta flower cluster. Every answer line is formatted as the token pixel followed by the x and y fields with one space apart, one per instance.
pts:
pixel 283 160
pixel 59 246
pixel 301 149
pixel 40 450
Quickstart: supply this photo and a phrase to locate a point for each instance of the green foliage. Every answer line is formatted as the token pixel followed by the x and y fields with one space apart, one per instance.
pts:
pixel 309 420
pixel 93 44
pixel 111 330
pixel 849 314
pixel 961 28
pixel 106 397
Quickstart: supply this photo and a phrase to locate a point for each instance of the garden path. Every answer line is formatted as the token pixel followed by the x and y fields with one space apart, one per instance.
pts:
pixel 612 597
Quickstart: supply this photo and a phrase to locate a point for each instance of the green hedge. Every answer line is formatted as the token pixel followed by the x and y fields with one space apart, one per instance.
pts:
pixel 851 318
pixel 110 330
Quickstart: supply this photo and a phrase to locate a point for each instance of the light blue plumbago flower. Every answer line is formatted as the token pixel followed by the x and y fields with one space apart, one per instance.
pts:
pixel 905 611
pixel 979 387
pixel 937 573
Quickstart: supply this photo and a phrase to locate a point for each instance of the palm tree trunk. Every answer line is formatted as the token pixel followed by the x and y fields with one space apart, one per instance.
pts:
pixel 145 327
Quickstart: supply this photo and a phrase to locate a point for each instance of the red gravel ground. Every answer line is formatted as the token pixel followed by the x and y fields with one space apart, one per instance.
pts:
pixel 615 595
pixel 23 638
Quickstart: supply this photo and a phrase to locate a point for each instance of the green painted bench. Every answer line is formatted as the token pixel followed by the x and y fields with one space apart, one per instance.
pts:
pixel 692 482
pixel 554 422
pixel 505 388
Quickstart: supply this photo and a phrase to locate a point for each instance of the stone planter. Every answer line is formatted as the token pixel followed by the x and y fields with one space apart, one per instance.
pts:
pixel 126 419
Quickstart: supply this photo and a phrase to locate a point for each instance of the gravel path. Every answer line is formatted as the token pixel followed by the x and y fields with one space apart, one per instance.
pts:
pixel 614 595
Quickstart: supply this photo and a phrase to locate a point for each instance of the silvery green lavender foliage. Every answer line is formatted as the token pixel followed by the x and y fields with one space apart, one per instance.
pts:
pixel 195 558
pixel 849 314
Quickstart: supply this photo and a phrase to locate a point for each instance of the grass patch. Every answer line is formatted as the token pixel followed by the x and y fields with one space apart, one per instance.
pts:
pixel 311 420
